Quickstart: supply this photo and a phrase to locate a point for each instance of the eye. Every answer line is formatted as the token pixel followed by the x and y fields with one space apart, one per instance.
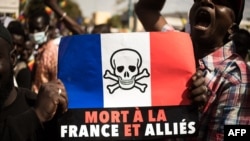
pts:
pixel 223 2
pixel 131 68
pixel 120 68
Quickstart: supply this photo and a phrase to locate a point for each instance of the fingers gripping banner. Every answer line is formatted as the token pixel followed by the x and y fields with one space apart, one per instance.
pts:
pixel 127 86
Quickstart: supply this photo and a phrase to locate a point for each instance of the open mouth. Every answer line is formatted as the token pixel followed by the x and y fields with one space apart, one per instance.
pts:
pixel 203 20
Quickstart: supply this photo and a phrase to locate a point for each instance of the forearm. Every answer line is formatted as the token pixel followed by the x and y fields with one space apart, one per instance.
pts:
pixel 152 4
pixel 72 25
pixel 148 12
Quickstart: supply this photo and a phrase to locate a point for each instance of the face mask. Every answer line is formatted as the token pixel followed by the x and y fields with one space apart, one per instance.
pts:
pixel 39 37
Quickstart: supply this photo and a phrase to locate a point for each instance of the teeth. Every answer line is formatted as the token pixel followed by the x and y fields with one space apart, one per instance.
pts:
pixel 202 13
pixel 200 27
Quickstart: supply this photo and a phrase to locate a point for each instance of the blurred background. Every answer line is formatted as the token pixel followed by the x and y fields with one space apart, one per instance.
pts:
pixel 117 13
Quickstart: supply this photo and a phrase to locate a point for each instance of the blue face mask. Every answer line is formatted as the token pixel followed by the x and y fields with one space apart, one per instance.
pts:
pixel 39 37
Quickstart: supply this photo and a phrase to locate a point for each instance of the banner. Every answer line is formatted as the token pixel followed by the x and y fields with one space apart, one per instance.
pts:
pixel 127 86
pixel 9 7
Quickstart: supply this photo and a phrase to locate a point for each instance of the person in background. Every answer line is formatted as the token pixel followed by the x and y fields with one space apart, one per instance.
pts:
pixel 45 67
pixel 22 72
pixel 220 87
pixel 24 115
pixel 29 52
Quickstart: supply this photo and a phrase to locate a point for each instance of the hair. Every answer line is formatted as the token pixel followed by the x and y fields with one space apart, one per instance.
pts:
pixel 5 34
pixel 38 13
pixel 15 27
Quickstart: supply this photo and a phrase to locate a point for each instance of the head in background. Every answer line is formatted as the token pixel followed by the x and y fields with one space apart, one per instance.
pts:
pixel 17 32
pixel 101 28
pixel 29 47
pixel 38 23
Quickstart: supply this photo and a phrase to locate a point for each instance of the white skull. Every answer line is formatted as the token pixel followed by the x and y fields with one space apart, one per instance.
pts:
pixel 126 64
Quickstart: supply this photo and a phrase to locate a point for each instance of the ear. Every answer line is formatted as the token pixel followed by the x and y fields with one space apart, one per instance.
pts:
pixel 13 58
pixel 232 30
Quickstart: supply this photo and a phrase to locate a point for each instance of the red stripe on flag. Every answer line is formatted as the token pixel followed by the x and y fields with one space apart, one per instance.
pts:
pixel 172 65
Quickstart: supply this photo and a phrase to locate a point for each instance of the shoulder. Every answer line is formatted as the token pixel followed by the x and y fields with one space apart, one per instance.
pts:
pixel 244 70
pixel 235 69
pixel 51 46
pixel 227 64
pixel 54 42
pixel 238 64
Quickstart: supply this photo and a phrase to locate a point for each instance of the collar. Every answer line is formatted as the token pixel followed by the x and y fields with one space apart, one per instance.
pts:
pixel 217 57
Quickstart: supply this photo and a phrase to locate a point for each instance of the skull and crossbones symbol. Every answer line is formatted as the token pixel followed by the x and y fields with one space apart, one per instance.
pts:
pixel 126 64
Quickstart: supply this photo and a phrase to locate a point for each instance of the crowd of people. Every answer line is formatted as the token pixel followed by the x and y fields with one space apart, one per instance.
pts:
pixel 32 97
pixel 37 43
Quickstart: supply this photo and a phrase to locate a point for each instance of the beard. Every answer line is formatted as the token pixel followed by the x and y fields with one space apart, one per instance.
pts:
pixel 6 87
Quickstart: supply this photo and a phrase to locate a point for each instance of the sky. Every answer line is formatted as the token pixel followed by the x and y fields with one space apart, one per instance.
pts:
pixel 89 6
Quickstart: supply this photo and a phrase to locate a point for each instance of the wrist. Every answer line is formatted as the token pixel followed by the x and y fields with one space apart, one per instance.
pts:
pixel 63 16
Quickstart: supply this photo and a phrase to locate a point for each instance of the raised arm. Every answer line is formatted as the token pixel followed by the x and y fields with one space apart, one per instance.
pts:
pixel 148 12
pixel 72 25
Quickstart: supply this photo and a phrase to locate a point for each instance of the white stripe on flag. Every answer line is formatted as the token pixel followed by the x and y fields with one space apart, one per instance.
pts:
pixel 133 96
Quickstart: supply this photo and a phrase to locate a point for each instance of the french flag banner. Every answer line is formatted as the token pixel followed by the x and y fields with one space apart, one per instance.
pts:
pixel 127 86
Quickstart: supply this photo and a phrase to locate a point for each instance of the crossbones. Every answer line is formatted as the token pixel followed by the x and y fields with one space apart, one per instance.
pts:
pixel 112 88
pixel 126 65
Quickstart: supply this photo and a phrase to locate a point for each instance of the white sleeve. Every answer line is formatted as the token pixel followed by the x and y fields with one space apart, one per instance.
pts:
pixel 167 27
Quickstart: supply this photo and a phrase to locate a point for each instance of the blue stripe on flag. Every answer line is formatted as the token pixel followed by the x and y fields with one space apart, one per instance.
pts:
pixel 81 84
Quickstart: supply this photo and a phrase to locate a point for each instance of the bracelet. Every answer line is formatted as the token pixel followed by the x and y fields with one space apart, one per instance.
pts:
pixel 63 16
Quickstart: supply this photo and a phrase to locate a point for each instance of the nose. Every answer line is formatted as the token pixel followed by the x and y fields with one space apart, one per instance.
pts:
pixel 126 74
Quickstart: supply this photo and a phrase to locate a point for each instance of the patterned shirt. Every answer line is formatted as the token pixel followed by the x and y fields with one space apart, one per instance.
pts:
pixel 227 77
pixel 46 64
